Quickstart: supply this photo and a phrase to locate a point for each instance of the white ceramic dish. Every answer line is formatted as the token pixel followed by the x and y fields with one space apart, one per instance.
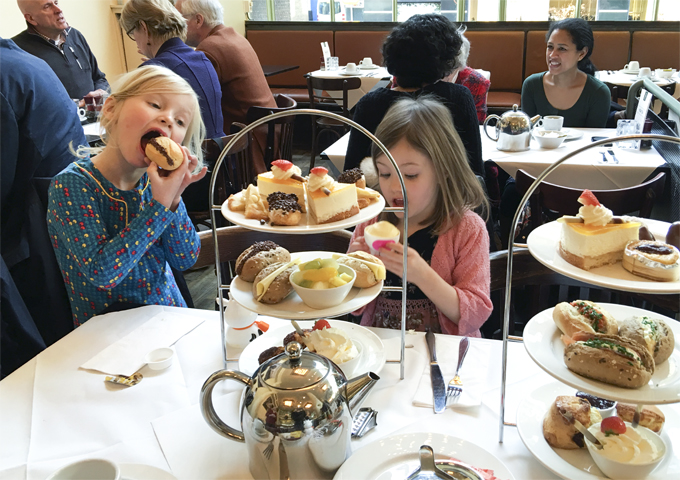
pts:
pixel 543 344
pixel 572 134
pixel 543 243
pixel 371 347
pixel 369 67
pixel 326 298
pixel 160 358
pixel 292 307
pixel 306 224
pixel 396 457
pixel 575 464
pixel 136 471
pixel 549 140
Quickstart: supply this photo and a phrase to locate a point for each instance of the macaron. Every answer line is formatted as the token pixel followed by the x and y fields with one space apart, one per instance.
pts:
pixel 164 152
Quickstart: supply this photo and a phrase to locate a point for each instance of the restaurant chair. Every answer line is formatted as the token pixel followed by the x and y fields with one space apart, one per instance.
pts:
pixel 321 99
pixel 620 92
pixel 279 142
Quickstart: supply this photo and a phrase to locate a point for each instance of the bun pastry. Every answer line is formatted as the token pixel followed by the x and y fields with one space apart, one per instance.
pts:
pixel 651 333
pixel 583 316
pixel 164 152
pixel 560 432
pixel 258 256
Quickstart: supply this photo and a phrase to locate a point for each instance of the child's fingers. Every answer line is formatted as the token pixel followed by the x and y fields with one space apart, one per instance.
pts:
pixel 199 175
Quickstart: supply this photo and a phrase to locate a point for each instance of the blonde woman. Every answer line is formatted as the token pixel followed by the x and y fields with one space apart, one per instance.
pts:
pixel 117 222
pixel 448 253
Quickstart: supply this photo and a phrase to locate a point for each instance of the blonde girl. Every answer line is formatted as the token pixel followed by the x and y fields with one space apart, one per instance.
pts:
pixel 116 221
pixel 448 254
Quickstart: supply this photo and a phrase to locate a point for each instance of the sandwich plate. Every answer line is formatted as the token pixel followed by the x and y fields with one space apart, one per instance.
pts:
pixel 372 349
pixel 306 225
pixel 576 464
pixel 543 245
pixel 292 307
pixel 542 342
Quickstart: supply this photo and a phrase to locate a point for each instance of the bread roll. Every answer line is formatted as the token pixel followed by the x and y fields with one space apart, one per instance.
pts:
pixel 164 152
pixel 583 316
pixel 560 432
pixel 279 289
pixel 651 333
pixel 650 416
pixel 257 256
pixel 366 277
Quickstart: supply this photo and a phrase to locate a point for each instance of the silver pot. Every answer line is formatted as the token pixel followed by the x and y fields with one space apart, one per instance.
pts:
pixel 513 130
pixel 296 414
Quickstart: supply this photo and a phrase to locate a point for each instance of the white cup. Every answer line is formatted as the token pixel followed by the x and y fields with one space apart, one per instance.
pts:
pixel 367 62
pixel 92 469
pixel 645 72
pixel 632 66
pixel 351 68
pixel 551 122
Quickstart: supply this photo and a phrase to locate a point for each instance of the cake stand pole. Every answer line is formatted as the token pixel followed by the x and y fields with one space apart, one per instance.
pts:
pixel 217 209
pixel 508 273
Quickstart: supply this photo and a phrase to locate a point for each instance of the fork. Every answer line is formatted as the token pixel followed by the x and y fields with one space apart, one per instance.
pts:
pixel 611 152
pixel 456 384
pixel 269 449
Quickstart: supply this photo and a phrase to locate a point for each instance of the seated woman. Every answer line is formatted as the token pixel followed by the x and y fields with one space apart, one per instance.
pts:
pixel 471 79
pixel 568 88
pixel 419 53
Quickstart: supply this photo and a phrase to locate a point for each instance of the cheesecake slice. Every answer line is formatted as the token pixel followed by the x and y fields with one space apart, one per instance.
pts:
pixel 328 200
pixel 283 177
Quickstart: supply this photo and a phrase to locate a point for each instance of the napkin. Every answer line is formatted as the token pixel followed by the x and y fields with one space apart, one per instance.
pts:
pixel 126 356
pixel 472 373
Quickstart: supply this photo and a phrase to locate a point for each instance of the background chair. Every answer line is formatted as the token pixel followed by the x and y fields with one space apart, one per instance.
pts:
pixel 620 92
pixel 321 99
pixel 279 141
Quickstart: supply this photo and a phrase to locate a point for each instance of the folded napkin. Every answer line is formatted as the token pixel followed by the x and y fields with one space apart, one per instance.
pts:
pixel 472 373
pixel 126 356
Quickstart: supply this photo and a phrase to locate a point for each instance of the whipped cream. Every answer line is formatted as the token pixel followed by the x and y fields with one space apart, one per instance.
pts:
pixel 281 174
pixel 316 182
pixel 597 216
pixel 629 447
pixel 333 344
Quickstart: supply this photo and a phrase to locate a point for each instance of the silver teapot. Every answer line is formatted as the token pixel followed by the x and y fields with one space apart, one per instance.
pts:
pixel 296 414
pixel 513 130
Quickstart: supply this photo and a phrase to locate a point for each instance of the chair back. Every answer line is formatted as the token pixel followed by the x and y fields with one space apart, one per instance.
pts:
pixel 279 132
pixel 321 92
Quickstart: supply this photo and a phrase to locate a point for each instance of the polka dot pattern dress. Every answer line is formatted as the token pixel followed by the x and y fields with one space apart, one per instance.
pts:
pixel 114 245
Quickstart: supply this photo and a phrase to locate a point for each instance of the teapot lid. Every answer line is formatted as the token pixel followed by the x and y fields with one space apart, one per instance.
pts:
pixel 296 369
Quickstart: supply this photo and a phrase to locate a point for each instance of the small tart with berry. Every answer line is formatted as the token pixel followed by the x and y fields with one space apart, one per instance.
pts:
pixel 653 260
pixel 283 177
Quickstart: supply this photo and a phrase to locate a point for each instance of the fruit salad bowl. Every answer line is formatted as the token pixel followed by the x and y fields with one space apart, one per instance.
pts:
pixel 317 297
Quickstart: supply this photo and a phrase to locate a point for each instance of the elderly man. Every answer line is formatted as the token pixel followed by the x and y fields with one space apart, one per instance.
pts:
pixel 238 68
pixel 49 37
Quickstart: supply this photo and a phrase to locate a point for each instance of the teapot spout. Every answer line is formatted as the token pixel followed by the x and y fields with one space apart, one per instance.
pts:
pixel 535 119
pixel 358 388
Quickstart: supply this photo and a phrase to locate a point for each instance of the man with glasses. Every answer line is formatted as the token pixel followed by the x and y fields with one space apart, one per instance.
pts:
pixel 48 36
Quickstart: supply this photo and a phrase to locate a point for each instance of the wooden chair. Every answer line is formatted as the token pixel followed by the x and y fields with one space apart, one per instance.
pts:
pixel 620 92
pixel 320 99
pixel 555 200
pixel 279 132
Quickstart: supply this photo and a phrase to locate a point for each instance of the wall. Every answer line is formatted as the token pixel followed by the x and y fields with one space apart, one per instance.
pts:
pixel 97 22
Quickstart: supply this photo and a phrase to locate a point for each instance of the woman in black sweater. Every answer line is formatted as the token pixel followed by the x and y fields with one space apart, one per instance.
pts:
pixel 419 53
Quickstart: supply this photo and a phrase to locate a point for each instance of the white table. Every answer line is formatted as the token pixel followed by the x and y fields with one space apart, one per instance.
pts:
pixel 618 77
pixel 369 79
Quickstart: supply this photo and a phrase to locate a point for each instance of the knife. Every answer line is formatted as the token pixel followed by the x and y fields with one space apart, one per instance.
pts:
pixel 581 428
pixel 438 388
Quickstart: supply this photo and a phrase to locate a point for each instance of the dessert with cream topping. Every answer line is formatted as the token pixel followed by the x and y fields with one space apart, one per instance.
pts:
pixel 595 237
pixel 328 200
pixel 283 177
pixel 332 343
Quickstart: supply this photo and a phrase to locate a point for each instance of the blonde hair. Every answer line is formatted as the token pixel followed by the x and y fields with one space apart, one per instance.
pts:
pixel 152 79
pixel 161 18
pixel 427 126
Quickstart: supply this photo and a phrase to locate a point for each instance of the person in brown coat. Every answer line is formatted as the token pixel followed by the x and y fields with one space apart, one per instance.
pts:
pixel 238 68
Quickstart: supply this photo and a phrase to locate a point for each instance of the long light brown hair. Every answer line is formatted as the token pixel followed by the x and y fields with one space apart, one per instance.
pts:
pixel 426 125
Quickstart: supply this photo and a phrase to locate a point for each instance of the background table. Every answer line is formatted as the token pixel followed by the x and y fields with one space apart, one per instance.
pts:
pixel 270 70
pixel 369 79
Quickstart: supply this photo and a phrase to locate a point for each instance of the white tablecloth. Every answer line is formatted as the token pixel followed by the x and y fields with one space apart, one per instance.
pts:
pixel 369 78
pixel 52 413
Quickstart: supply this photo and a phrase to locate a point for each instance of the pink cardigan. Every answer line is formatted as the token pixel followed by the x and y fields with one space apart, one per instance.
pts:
pixel 461 257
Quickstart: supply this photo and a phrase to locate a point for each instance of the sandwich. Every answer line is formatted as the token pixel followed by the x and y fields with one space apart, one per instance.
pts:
pixel 583 316
pixel 370 269
pixel 651 333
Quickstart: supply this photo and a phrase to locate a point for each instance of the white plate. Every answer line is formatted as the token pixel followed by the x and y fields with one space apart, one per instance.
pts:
pixel 543 344
pixel 577 464
pixel 372 348
pixel 630 72
pixel 306 224
pixel 543 243
pixel 292 307
pixel 572 134
pixel 135 471
pixel 368 67
pixel 396 457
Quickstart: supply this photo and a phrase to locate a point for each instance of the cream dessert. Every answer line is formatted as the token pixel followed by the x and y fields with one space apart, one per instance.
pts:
pixel 333 343
pixel 328 200
pixel 380 234
pixel 633 446
pixel 283 177
pixel 595 237
pixel 653 260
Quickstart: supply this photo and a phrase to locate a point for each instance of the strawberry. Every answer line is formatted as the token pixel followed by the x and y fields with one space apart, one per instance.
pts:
pixel 613 426
pixel 321 324
pixel 587 198
pixel 283 164
pixel 319 171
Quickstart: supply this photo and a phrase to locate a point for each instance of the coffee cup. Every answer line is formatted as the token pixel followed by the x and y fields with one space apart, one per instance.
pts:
pixel 93 469
pixel 551 122
pixel 632 66
pixel 367 62
pixel 645 72
pixel 351 68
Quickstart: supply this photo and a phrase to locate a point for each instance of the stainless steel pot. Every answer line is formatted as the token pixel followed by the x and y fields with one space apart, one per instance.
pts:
pixel 513 130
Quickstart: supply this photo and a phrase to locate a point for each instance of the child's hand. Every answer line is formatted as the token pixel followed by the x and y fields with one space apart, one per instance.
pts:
pixel 392 257
pixel 359 244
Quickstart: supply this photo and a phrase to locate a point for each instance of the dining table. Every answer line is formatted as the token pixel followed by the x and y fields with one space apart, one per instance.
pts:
pixel 625 79
pixel 271 70
pixel 369 80
pixel 53 411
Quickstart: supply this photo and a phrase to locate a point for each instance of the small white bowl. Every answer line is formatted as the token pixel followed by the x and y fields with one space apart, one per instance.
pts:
pixel 661 73
pixel 94 469
pixel 622 470
pixel 160 359
pixel 326 298
pixel 549 139
pixel 349 368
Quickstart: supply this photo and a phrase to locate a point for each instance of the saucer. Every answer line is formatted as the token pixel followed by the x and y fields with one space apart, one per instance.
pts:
pixel 368 67
pixel 630 72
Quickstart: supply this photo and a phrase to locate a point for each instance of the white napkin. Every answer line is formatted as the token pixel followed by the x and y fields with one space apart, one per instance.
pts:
pixel 126 356
pixel 471 373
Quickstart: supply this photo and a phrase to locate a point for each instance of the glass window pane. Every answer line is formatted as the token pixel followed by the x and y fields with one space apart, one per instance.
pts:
pixel 407 8
pixel 481 10
pixel 669 10
pixel 359 11
pixel 259 12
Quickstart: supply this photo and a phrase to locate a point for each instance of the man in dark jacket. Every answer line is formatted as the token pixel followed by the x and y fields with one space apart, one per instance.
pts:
pixel 49 37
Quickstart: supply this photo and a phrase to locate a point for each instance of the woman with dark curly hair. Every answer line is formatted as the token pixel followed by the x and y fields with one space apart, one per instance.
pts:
pixel 419 53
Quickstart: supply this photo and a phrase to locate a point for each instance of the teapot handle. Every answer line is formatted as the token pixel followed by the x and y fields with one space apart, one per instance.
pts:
pixel 208 410
pixel 498 119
